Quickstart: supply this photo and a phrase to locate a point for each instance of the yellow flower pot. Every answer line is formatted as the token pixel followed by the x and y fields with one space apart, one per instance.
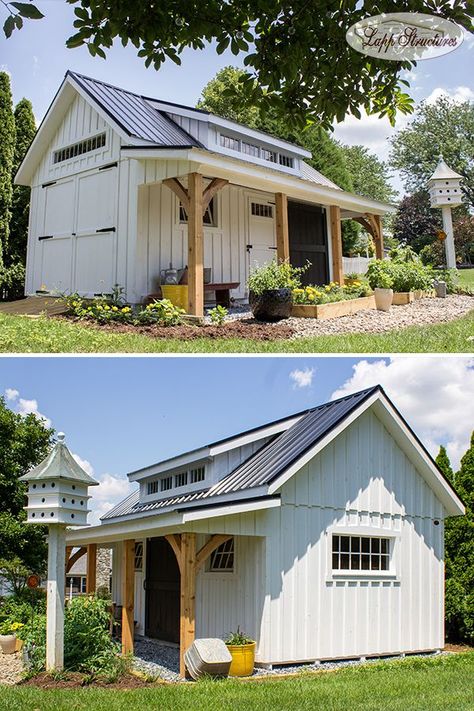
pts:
pixel 243 659
pixel 177 294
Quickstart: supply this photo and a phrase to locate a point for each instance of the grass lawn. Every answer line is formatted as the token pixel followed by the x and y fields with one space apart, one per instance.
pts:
pixel 44 335
pixel 466 277
pixel 413 684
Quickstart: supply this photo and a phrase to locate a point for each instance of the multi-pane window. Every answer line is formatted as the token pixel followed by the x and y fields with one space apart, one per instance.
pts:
pixel 153 486
pixel 250 149
pixel 77 149
pixel 286 160
pixel 139 556
pixel 209 218
pixel 360 553
pixel 166 483
pixel 259 209
pixel 181 479
pixel 269 155
pixel 197 475
pixel 222 559
pixel 230 142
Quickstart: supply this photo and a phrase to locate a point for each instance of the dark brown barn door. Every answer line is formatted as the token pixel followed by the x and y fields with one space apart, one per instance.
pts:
pixel 162 591
pixel 308 241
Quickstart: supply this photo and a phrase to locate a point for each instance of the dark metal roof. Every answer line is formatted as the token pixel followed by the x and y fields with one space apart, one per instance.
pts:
pixel 265 465
pixel 134 114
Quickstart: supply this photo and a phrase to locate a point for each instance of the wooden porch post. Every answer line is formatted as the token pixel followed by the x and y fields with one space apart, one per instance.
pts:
pixel 91 568
pixel 188 596
pixel 282 237
pixel 128 593
pixel 336 244
pixel 195 246
pixel 378 236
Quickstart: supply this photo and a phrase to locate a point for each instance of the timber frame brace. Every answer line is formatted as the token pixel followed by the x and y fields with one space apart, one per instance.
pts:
pixel 182 193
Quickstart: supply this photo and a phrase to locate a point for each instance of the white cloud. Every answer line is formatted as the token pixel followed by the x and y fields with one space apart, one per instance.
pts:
pixel 110 491
pixel 25 407
pixel 435 395
pixel 302 378
pixel 457 94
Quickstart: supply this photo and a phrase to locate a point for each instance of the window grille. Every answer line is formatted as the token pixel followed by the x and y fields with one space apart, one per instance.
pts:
pixel 77 149
pixel 286 160
pixel 250 149
pixel 209 218
pixel 262 210
pixel 269 155
pixel 360 553
pixel 197 475
pixel 139 556
pixel 166 483
pixel 181 479
pixel 153 487
pixel 230 142
pixel 222 559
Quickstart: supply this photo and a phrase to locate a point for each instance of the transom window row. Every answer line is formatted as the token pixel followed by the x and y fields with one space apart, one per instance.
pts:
pixel 77 149
pixel 251 149
pixel 176 481
pixel 360 553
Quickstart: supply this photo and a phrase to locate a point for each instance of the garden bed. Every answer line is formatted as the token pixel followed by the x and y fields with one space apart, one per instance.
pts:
pixel 400 298
pixel 334 309
pixel 75 680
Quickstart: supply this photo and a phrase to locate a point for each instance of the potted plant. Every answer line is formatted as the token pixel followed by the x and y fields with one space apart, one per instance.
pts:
pixel 8 636
pixel 242 651
pixel 381 281
pixel 271 290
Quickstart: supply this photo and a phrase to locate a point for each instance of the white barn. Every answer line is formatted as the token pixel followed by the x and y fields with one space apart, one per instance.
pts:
pixel 125 185
pixel 320 535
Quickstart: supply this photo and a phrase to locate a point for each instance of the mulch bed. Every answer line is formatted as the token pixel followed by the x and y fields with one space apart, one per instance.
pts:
pixel 75 680
pixel 233 329
pixel 457 648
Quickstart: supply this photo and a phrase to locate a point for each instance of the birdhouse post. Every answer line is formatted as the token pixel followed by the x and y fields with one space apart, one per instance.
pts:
pixel 445 192
pixel 57 497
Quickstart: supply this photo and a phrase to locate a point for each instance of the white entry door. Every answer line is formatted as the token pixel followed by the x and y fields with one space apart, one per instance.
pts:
pixel 262 236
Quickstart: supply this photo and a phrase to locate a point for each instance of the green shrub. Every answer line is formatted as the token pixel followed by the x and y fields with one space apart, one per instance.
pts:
pixel 100 309
pixel 275 276
pixel 12 282
pixel 379 274
pixel 218 315
pixel 400 275
pixel 162 312
pixel 314 295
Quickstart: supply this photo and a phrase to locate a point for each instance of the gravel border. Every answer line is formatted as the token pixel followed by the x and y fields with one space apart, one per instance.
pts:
pixel 11 668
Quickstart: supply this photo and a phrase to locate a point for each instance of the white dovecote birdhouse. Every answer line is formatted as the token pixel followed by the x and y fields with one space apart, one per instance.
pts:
pixel 58 489
pixel 445 186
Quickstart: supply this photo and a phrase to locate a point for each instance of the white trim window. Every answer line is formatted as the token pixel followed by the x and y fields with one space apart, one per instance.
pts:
pixel 209 218
pixel 360 553
pixel 222 559
pixel 138 556
pixel 77 149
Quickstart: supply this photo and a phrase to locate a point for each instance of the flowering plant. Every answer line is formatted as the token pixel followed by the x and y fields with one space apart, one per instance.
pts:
pixel 314 295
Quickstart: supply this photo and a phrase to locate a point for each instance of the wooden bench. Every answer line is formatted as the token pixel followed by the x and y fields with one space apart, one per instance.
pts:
pixel 222 291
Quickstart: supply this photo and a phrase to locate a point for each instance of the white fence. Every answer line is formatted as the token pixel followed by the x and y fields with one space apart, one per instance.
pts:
pixel 355 265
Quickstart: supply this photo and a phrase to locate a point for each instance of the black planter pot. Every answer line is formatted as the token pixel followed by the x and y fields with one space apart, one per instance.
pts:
pixel 271 305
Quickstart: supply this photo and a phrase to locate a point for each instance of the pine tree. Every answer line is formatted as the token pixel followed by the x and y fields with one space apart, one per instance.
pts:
pixel 7 151
pixel 459 556
pixel 25 132
pixel 442 460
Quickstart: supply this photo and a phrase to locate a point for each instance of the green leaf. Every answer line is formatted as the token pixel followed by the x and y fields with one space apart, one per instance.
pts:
pixel 31 12
pixel 9 26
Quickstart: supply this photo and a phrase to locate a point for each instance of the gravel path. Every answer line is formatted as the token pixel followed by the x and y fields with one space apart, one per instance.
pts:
pixel 11 668
pixel 423 312
pixel 162 661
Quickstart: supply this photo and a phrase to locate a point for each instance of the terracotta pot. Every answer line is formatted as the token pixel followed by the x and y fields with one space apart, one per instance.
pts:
pixel 383 299
pixel 8 643
pixel 271 305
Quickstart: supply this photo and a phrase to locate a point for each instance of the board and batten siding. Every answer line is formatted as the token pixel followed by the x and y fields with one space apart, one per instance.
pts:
pixel 364 484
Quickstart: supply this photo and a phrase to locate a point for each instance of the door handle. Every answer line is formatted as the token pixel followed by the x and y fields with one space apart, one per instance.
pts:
pixel 273 248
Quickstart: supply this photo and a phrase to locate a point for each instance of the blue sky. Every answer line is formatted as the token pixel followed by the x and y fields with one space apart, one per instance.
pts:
pixel 37 59
pixel 120 414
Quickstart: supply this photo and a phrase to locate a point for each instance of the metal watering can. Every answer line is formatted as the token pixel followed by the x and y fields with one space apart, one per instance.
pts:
pixel 169 276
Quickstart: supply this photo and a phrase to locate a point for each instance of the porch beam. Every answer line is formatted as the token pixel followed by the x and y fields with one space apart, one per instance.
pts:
pixel 377 221
pixel 188 596
pixel 212 544
pixel 212 189
pixel 179 190
pixel 91 568
pixel 282 234
pixel 75 557
pixel 336 244
pixel 195 246
pixel 128 595
pixel 174 539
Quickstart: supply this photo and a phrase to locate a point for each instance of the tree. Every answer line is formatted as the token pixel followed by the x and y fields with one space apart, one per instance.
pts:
pixel 15 573
pixel 7 151
pixel 370 175
pixel 459 553
pixel 416 223
pixel 25 131
pixel 445 127
pixel 24 442
pixel 442 460
pixel 296 51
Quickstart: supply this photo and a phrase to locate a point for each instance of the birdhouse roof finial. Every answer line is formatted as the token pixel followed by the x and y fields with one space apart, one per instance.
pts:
pixel 60 464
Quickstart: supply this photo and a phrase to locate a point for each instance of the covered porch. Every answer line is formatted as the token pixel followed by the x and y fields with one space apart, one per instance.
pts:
pixel 307 216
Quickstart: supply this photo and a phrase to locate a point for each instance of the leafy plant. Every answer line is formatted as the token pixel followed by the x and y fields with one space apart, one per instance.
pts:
pixel 378 274
pixel 238 638
pixel 331 292
pixel 399 274
pixel 163 312
pixel 8 627
pixel 275 275
pixel 218 315
pixel 15 573
pixel 12 282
